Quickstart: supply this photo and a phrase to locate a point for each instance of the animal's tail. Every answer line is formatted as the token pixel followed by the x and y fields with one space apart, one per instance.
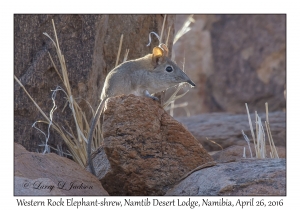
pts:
pixel 90 138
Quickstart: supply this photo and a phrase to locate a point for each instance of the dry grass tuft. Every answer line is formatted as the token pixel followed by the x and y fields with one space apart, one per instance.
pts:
pixel 259 139
pixel 75 141
pixel 185 28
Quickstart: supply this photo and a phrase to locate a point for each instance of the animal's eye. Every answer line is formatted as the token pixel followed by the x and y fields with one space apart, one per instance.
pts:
pixel 169 69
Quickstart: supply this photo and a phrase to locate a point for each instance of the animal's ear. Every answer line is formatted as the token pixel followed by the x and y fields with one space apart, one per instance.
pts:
pixel 157 54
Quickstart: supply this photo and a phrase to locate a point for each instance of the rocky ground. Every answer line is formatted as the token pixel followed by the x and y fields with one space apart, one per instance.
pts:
pixel 50 174
pixel 227 128
pixel 244 177
pixel 147 152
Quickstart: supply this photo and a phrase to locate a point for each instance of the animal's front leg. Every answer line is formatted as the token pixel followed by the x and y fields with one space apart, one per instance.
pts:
pixel 147 94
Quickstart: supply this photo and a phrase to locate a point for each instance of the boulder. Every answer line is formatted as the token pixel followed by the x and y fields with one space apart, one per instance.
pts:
pixel 50 174
pixel 90 45
pixel 249 53
pixel 247 177
pixel 145 151
pixel 226 129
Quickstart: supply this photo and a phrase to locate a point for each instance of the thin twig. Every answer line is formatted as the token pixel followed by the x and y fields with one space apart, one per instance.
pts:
pixel 214 143
pixel 250 123
pixel 162 30
pixel 37 106
pixel 168 36
pixel 248 142
pixel 126 55
pixel 119 50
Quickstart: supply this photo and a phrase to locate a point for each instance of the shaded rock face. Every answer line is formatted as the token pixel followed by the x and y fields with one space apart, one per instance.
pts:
pixel 226 129
pixel 50 174
pixel 233 59
pixel 250 62
pixel 245 177
pixel 89 44
pixel 147 150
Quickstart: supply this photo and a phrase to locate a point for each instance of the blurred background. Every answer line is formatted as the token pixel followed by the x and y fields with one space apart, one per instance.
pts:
pixel 233 60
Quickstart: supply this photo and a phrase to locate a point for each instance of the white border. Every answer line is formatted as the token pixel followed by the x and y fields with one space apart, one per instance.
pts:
pixel 212 7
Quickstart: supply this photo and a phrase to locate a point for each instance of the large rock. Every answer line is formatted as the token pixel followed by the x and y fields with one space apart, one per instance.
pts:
pixel 233 59
pixel 226 129
pixel 145 151
pixel 90 44
pixel 249 62
pixel 247 177
pixel 50 174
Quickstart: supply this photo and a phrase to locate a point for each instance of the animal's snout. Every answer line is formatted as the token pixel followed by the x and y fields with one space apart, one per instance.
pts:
pixel 191 83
